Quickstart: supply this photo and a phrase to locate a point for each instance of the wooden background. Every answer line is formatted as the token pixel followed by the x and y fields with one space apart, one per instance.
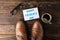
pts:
pixel 7 21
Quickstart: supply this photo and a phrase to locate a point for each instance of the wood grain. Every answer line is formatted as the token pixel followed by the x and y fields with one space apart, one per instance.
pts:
pixel 9 38
pixel 7 29
pixel 6 35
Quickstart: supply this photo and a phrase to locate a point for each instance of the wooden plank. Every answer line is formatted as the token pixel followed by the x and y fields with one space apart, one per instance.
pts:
pixel 11 5
pixel 30 1
pixel 7 29
pixel 9 38
pixel 4 11
pixel 6 36
pixel 5 15
pixel 33 0
pixel 9 2
pixel 7 21
pixel 54 30
pixel 7 6
pixel 53 35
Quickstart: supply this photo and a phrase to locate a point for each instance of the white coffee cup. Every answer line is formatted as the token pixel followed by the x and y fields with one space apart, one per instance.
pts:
pixel 45 20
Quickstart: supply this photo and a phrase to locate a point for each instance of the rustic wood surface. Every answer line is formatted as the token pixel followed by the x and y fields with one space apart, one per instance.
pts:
pixel 7 21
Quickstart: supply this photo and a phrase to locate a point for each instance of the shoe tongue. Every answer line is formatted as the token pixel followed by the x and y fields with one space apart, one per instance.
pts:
pixel 36 24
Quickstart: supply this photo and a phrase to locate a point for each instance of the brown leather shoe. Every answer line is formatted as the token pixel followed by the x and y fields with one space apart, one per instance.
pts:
pixel 37 31
pixel 20 31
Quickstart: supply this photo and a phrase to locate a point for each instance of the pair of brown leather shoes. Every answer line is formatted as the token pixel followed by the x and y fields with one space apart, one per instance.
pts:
pixel 37 32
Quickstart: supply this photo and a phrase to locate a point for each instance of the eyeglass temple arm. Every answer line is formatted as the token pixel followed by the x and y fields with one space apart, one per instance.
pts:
pixel 16 8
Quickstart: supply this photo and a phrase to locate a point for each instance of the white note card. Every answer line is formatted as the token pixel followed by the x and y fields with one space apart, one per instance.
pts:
pixel 30 14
